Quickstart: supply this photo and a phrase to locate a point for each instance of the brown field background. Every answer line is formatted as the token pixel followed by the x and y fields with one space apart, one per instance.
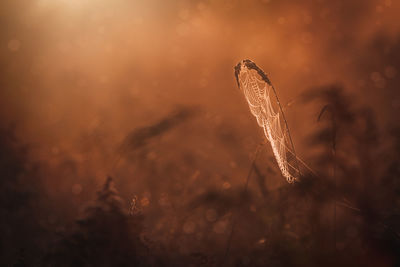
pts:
pixel 79 77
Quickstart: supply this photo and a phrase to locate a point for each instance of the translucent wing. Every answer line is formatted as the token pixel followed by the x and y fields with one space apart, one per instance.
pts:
pixel 264 105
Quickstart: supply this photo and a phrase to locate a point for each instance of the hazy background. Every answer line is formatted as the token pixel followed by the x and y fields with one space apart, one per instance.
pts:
pixel 77 77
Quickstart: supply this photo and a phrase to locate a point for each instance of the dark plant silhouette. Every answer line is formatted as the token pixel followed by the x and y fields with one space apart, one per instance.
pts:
pixel 107 236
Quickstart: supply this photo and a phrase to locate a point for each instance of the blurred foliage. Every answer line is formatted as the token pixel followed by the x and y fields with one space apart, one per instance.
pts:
pixel 290 225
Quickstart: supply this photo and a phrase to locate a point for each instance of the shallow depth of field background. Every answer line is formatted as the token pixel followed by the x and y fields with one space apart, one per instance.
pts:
pixel 78 77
